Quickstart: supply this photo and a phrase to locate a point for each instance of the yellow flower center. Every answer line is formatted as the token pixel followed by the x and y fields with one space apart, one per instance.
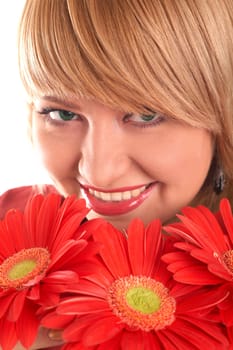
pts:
pixel 228 260
pixel 20 268
pixel 142 303
pixel 143 300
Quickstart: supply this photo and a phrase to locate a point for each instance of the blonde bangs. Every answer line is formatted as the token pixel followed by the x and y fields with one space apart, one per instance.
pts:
pixel 166 60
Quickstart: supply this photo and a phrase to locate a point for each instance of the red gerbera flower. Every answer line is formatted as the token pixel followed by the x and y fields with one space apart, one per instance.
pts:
pixel 42 252
pixel 133 302
pixel 204 254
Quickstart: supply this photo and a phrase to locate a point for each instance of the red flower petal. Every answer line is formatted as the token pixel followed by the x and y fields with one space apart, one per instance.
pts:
pixel 82 305
pixel 201 299
pixel 8 338
pixel 50 294
pixel 210 335
pixel 6 299
pixel 27 326
pixel 74 331
pixel 198 275
pixel 89 288
pixel 113 344
pixel 16 306
pixel 136 247
pixel 66 253
pixel 133 341
pixel 14 225
pixel 101 330
pixel 7 244
pixel 39 223
pixel 152 246
pixel 112 240
pixel 61 277
pixel 68 220
pixel 226 213
pixel 34 293
pixel 143 250
pixel 51 320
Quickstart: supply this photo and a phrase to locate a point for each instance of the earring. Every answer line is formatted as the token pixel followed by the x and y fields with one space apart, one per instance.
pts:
pixel 219 180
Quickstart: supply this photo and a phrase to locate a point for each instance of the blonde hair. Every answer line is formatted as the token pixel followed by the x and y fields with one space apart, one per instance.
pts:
pixel 172 56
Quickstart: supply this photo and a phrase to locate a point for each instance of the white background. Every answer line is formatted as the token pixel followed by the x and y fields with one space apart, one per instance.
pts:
pixel 18 165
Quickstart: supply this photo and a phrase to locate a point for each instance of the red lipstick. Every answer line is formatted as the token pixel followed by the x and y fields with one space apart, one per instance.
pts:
pixel 110 208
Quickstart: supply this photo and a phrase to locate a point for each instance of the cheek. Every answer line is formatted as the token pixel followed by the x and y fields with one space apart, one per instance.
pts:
pixel 194 156
pixel 182 157
pixel 58 156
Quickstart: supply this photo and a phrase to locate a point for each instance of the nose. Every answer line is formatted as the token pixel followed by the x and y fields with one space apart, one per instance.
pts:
pixel 104 159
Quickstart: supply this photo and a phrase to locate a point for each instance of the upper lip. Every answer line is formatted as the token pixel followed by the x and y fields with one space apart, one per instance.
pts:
pixel 121 189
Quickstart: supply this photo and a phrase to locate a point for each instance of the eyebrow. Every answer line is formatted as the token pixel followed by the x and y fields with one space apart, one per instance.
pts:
pixel 61 101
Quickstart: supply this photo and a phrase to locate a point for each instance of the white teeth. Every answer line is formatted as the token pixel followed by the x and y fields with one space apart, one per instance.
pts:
pixel 117 196
pixel 97 194
pixel 105 196
pixel 126 195
pixel 135 193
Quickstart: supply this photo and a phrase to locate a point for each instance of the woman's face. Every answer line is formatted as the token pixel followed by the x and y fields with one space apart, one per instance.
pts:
pixel 125 165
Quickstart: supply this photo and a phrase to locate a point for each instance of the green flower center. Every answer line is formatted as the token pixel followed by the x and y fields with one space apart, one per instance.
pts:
pixel 143 300
pixel 22 267
pixel 142 303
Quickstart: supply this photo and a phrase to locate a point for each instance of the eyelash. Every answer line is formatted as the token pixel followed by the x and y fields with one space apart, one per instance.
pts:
pixel 127 118
pixel 46 113
pixel 159 118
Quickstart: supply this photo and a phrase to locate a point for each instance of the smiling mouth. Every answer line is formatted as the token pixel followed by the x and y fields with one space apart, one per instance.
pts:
pixel 116 202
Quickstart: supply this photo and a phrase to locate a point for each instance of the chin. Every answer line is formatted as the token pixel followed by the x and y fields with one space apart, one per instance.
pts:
pixel 121 222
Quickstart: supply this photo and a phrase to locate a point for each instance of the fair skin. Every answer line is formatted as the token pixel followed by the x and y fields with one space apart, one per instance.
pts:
pixel 44 340
pixel 115 153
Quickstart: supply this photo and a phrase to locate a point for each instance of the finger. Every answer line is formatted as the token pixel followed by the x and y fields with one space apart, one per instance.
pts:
pixel 54 334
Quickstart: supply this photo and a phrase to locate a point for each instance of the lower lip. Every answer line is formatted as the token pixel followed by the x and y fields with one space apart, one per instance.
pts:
pixel 115 207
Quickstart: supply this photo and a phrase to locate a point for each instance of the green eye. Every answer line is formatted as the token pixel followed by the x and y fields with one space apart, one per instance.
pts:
pixel 59 115
pixel 144 120
pixel 66 115
pixel 147 117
